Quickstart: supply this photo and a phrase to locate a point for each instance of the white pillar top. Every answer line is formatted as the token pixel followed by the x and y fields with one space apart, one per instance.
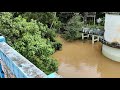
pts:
pixel 112 28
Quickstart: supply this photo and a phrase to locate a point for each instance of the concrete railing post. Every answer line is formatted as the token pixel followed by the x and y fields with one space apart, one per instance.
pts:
pixel 2 39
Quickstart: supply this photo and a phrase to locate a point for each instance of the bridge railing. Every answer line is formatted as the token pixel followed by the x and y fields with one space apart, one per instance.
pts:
pixel 18 65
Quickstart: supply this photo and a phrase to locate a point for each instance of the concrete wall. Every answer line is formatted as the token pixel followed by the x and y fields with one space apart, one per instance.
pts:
pixel 19 65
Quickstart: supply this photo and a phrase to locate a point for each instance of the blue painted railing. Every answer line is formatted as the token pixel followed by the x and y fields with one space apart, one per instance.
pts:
pixel 2 39
pixel 1 72
pixel 19 65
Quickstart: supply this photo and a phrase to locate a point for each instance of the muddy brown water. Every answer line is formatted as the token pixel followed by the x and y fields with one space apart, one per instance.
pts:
pixel 81 59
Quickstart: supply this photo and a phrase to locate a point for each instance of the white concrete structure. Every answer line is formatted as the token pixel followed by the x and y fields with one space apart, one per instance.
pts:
pixel 111 53
pixel 94 37
pixel 112 34
pixel 112 28
pixel 84 35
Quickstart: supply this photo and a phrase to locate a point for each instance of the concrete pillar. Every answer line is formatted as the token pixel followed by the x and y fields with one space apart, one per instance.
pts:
pixel 93 38
pixel 2 39
pixel 112 35
pixel 83 36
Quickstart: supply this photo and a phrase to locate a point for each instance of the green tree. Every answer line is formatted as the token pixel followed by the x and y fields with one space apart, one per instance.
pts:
pixel 48 18
pixel 73 26
pixel 28 38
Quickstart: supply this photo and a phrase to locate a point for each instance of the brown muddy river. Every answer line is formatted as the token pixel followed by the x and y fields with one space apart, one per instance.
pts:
pixel 81 59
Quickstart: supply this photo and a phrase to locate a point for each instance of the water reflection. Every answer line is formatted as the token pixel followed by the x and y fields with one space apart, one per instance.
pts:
pixel 80 59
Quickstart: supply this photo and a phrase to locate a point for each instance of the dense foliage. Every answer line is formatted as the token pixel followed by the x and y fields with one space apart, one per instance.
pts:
pixel 65 16
pixel 32 39
pixel 73 26
pixel 48 18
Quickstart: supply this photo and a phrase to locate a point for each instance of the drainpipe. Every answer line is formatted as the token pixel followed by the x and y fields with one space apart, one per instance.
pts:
pixel 53 20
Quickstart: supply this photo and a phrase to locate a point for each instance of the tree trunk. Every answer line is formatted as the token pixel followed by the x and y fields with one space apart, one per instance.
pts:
pixel 53 20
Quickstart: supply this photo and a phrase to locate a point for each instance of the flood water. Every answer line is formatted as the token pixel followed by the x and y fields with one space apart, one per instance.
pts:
pixel 81 59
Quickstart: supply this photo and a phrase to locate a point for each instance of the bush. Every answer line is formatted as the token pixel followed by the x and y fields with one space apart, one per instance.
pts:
pixel 57 45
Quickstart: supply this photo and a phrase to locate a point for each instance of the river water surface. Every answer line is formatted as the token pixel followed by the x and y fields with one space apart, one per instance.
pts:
pixel 81 59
